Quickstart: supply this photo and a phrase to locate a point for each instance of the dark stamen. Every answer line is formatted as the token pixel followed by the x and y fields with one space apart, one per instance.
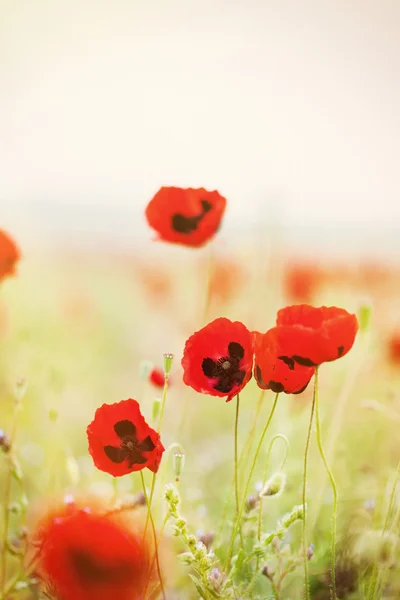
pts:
pixel 187 225
pixel 226 369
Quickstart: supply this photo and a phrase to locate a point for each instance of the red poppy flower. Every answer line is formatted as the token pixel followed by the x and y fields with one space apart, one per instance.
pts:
pixel 85 553
pixel 120 440
pixel 157 377
pixel 394 348
pixel 274 369
pixel 218 359
pixel 9 255
pixel 302 281
pixel 316 335
pixel 185 216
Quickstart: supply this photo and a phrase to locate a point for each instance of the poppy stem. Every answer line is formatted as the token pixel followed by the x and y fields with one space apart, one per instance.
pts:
pixel 245 453
pixel 160 420
pixel 305 546
pixel 375 575
pixel 236 475
pixel 253 466
pixel 150 516
pixel 334 488
pixel 7 494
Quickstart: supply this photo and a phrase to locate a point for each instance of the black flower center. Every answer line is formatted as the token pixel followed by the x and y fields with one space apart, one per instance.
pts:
pixel 91 570
pixel 226 369
pixel 187 225
pixel 130 448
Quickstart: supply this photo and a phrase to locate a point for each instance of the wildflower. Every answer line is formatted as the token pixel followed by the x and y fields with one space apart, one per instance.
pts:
pixel 302 281
pixel 394 348
pixel 218 359
pixel 157 377
pixel 120 440
pixel 274 369
pixel 9 255
pixel 85 553
pixel 185 216
pixel 316 335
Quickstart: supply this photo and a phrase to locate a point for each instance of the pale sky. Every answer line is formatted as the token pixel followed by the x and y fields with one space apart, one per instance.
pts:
pixel 285 106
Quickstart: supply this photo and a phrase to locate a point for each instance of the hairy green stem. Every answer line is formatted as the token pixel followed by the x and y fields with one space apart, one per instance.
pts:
pixel 334 488
pixel 150 516
pixel 253 466
pixel 305 546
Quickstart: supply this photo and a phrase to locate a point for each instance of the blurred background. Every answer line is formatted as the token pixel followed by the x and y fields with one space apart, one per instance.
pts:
pixel 290 109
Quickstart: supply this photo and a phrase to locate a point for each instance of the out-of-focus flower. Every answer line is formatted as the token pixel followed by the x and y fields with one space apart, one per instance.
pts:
pixel 394 348
pixel 157 377
pixel 120 440
pixel 274 369
pixel 9 255
pixel 185 216
pixel 301 281
pixel 226 278
pixel 84 552
pixel 312 335
pixel 218 359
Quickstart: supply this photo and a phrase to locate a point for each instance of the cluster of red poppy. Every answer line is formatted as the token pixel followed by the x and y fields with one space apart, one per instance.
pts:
pixel 220 358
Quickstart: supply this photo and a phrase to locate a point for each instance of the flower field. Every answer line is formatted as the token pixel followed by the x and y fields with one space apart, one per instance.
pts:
pixel 205 422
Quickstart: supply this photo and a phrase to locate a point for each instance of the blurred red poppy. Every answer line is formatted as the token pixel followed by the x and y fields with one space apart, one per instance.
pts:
pixel 316 335
pixel 218 359
pixel 120 440
pixel 157 377
pixel 227 277
pixel 84 553
pixel 274 369
pixel 185 216
pixel 394 348
pixel 301 281
pixel 9 255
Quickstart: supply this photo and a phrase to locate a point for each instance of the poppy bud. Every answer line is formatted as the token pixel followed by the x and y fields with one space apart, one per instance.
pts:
pixel 364 316
pixel 274 486
pixel 251 502
pixel 179 463
pixel 5 442
pixel 168 359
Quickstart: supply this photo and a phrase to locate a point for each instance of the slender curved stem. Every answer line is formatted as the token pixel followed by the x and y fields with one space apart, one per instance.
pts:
pixel 334 488
pixel 375 574
pixel 278 436
pixel 253 466
pixel 160 420
pixel 305 546
pixel 245 453
pixel 7 494
pixel 150 515
pixel 236 455
pixel 236 471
